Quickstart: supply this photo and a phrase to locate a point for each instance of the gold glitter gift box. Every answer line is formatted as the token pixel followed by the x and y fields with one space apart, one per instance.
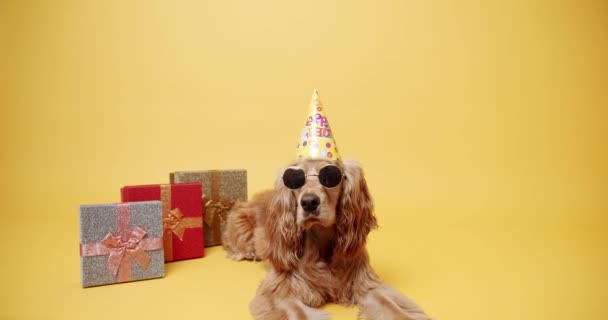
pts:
pixel 221 190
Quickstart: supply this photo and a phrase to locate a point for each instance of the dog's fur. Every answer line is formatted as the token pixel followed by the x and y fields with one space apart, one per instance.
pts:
pixel 314 261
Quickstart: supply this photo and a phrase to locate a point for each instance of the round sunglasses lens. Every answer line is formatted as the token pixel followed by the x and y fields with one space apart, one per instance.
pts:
pixel 330 176
pixel 294 178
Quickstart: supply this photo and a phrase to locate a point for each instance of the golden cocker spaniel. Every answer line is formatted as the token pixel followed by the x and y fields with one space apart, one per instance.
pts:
pixel 311 230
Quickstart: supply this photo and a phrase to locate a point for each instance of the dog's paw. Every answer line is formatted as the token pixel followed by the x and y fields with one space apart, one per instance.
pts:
pixel 387 303
pixel 236 256
pixel 296 310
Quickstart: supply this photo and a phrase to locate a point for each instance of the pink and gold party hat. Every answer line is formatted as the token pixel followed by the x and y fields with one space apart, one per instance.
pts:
pixel 317 139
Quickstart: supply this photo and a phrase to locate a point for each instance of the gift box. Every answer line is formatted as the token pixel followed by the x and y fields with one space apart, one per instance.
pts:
pixel 221 189
pixel 182 214
pixel 121 242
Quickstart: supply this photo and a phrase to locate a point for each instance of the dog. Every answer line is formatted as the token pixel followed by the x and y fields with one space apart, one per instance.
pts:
pixel 311 230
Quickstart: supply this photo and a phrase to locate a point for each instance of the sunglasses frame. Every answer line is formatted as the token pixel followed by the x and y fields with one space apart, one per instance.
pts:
pixel 342 176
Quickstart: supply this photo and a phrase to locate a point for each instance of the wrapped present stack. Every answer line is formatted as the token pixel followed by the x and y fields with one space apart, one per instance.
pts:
pixel 169 222
pixel 154 224
pixel 221 189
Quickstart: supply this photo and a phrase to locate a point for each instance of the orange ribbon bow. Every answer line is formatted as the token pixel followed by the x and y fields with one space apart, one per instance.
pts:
pixel 173 221
pixel 216 209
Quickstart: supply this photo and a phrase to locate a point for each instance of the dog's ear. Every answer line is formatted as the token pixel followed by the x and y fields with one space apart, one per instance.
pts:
pixel 355 217
pixel 282 229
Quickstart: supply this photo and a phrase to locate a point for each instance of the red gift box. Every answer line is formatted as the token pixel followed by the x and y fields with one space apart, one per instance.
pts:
pixel 182 216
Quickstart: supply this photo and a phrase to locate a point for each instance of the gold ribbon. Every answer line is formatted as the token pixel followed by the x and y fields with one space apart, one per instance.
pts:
pixel 177 223
pixel 123 248
pixel 174 220
pixel 216 209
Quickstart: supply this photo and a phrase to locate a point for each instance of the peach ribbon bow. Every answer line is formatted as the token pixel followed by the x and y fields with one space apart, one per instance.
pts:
pixel 122 252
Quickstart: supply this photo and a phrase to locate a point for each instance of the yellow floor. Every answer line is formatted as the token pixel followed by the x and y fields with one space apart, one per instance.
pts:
pixel 481 126
pixel 462 268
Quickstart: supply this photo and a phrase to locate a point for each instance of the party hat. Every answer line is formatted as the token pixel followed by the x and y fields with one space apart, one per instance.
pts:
pixel 317 139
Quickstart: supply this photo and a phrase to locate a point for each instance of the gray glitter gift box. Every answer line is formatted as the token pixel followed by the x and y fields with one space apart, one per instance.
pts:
pixel 121 242
pixel 221 190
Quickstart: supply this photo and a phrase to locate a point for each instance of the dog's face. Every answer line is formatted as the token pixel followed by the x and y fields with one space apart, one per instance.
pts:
pixel 316 204
pixel 302 203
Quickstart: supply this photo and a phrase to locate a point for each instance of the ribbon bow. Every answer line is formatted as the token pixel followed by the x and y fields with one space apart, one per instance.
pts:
pixel 216 209
pixel 122 251
pixel 173 221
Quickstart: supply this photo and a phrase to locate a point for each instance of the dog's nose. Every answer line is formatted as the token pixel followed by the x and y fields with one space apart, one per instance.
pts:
pixel 310 202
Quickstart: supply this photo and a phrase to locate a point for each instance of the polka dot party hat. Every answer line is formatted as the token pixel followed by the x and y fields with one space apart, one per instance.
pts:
pixel 317 139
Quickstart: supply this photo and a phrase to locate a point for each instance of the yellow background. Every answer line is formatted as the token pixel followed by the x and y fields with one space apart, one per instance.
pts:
pixel 482 128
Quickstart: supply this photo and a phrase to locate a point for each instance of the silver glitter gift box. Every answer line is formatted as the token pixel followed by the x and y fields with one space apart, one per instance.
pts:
pixel 221 190
pixel 121 242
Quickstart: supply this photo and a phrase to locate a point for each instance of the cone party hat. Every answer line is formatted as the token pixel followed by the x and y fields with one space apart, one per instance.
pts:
pixel 317 139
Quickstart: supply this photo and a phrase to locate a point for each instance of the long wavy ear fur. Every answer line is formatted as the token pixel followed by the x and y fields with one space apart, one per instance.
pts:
pixel 355 217
pixel 283 233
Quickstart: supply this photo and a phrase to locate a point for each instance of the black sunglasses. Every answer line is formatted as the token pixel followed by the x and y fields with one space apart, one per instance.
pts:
pixel 330 176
